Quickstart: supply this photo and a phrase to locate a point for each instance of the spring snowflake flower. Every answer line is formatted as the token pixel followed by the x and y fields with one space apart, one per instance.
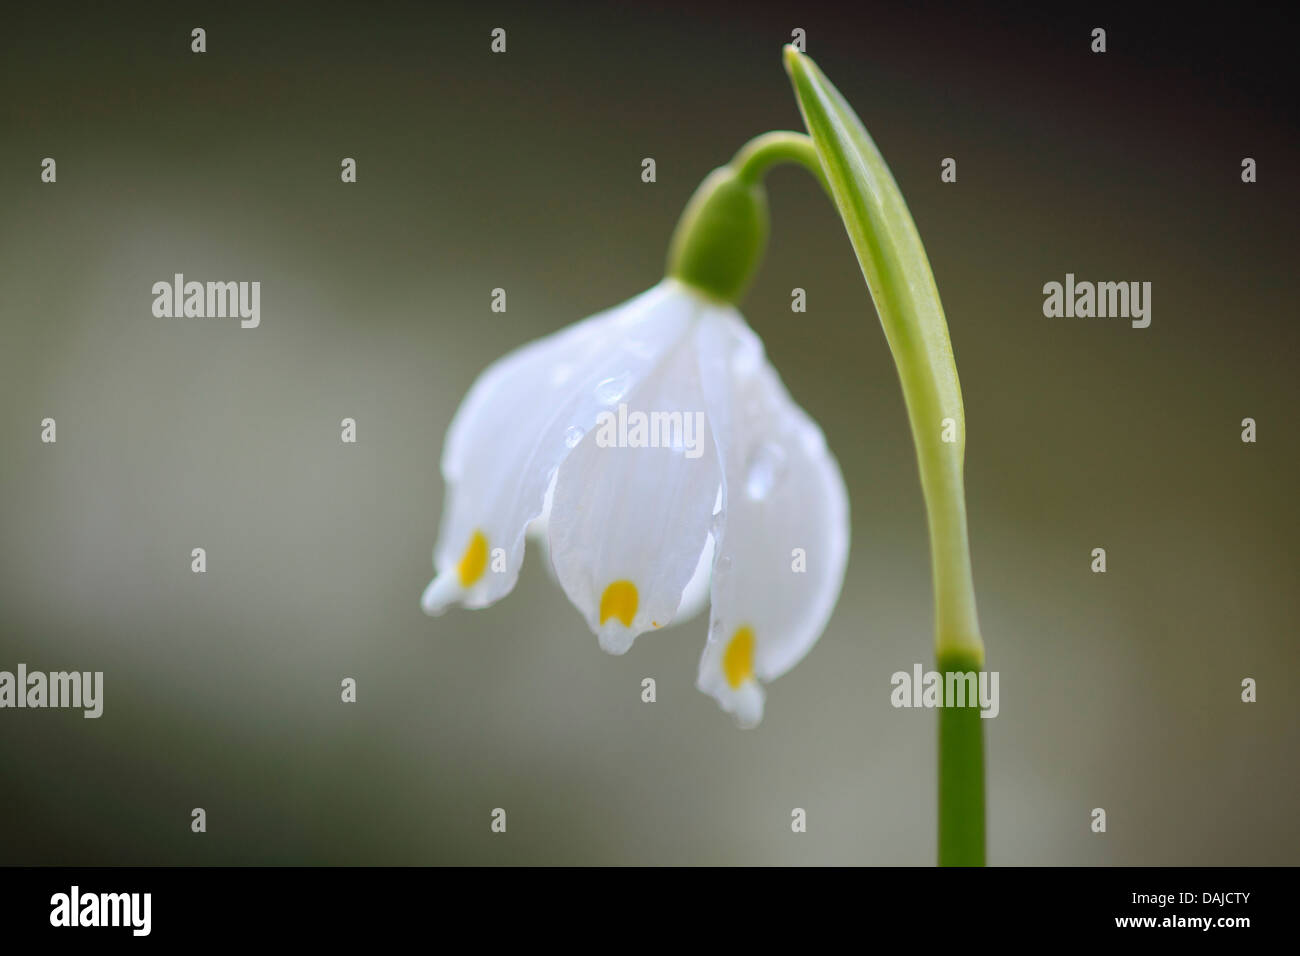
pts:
pixel 658 454
pixel 640 510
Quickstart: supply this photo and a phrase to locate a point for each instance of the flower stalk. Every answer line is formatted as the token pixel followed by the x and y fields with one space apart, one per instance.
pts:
pixel 897 272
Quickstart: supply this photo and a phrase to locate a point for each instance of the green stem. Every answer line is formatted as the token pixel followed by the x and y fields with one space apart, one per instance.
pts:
pixel 957 636
pixel 961 774
pixel 897 272
pixel 761 153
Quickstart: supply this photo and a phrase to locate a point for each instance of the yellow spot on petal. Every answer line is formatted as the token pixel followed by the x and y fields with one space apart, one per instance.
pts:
pixel 619 600
pixel 738 659
pixel 474 561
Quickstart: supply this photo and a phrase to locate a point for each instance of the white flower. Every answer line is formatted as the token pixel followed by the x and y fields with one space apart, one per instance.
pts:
pixel 549 435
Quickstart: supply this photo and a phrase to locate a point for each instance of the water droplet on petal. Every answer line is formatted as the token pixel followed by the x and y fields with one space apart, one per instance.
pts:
pixel 572 435
pixel 612 389
pixel 765 468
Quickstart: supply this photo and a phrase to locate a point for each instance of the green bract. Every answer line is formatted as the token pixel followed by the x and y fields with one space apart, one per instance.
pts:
pixel 898 274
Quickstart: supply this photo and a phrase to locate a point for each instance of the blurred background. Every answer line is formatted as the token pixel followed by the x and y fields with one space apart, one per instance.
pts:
pixel 522 171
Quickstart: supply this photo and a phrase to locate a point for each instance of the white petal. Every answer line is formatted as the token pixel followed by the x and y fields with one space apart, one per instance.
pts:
pixel 696 595
pixel 784 506
pixel 539 530
pixel 520 419
pixel 628 524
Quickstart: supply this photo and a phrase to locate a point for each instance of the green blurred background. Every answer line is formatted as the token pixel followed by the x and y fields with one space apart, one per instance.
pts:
pixel 523 171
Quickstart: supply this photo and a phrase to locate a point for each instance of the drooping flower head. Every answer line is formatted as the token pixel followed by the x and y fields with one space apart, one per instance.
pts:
pixel 662 459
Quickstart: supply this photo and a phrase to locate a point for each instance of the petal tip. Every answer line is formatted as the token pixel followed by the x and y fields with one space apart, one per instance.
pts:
pixel 615 638
pixel 743 703
pixel 441 592
pixel 746 705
